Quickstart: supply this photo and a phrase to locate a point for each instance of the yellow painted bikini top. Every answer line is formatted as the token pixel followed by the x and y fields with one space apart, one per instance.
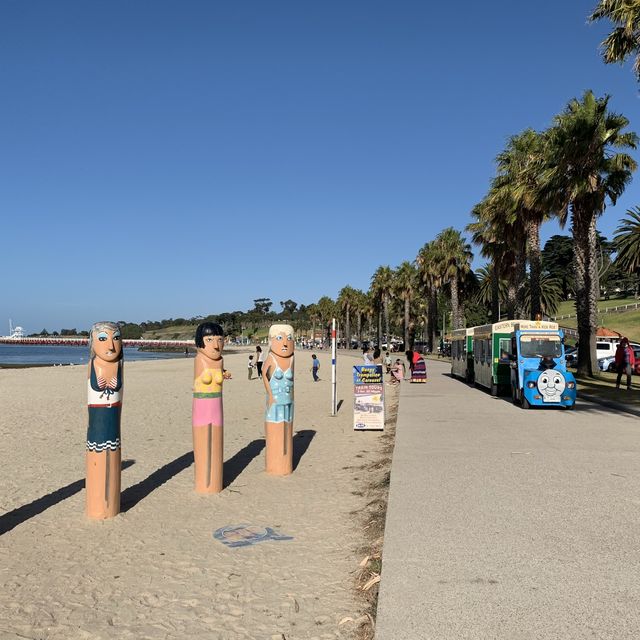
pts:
pixel 209 381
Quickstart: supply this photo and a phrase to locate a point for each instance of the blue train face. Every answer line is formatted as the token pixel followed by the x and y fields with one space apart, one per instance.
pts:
pixel 549 387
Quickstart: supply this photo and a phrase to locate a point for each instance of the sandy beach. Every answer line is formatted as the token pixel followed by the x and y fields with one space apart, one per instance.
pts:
pixel 156 571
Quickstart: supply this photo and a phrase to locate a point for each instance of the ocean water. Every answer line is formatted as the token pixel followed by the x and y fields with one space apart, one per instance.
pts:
pixel 29 354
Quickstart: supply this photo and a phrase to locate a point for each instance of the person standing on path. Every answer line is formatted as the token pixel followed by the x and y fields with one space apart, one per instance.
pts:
pixel 259 360
pixel 315 366
pixel 625 362
pixel 366 356
pixel 250 367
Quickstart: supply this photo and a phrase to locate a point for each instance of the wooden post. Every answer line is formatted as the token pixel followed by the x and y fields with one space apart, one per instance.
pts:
pixel 277 375
pixel 207 413
pixel 104 400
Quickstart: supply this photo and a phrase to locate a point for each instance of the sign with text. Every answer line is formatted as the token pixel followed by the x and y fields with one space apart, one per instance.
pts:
pixel 368 397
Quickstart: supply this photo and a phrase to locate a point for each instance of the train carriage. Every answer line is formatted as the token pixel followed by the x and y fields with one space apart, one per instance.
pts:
pixel 462 353
pixel 491 351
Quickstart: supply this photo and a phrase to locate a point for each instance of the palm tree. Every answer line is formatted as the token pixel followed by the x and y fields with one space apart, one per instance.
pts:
pixel 360 308
pixel 627 241
pixel 404 281
pixel 430 278
pixel 502 240
pixel 624 40
pixel 587 173
pixel 520 190
pixel 551 295
pixel 346 302
pixel 382 288
pixel 492 289
pixel 327 309
pixel 454 258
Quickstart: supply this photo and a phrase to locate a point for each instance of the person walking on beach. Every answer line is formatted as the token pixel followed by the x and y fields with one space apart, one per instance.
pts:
pixel 259 360
pixel 387 361
pixel 315 366
pixel 625 362
pixel 250 367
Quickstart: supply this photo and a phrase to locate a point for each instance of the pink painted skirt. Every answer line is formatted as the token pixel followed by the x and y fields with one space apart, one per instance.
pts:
pixel 207 411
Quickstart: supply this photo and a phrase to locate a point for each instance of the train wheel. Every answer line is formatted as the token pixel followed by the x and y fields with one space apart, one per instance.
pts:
pixel 514 395
pixel 494 389
pixel 525 403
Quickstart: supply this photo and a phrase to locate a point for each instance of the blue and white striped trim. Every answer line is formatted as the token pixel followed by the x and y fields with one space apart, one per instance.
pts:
pixel 103 446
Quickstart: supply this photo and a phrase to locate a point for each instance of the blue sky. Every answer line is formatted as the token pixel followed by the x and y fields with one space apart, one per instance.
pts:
pixel 169 159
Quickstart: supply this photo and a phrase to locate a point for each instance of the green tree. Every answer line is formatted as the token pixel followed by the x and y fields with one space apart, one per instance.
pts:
pixel 404 285
pixel 525 197
pixel 430 280
pixel 382 290
pixel 557 262
pixel 627 242
pixel 454 260
pixel 587 173
pixel 624 41
pixel 346 302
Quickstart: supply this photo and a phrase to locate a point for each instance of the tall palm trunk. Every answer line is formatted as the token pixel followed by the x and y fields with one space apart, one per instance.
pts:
pixel 520 274
pixel 359 328
pixel 380 326
pixel 587 286
pixel 386 319
pixel 535 266
pixel 455 304
pixel 495 293
pixel 407 309
pixel 347 328
pixel 433 319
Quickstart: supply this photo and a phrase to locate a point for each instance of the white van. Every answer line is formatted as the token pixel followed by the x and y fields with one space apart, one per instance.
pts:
pixel 606 348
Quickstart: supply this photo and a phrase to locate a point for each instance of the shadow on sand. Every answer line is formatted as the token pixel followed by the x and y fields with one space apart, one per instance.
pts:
pixel 13 518
pixel 301 441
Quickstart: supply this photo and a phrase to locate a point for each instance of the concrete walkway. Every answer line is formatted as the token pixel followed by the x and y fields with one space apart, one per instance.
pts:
pixel 505 523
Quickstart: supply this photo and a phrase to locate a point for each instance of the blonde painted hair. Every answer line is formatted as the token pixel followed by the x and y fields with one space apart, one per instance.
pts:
pixel 100 326
pixel 277 329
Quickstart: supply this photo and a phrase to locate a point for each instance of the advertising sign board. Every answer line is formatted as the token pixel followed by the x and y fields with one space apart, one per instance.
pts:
pixel 368 397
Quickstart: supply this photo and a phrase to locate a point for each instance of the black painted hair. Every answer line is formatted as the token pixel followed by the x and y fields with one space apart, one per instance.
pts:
pixel 207 329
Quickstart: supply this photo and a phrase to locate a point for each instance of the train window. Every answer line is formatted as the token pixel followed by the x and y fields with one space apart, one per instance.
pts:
pixel 487 352
pixel 505 349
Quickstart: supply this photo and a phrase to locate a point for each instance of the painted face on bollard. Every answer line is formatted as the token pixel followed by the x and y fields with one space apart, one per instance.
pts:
pixel 282 345
pixel 213 346
pixel 107 345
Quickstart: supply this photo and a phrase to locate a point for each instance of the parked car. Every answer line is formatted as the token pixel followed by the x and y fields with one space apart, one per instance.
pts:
pixel 571 356
pixel 609 364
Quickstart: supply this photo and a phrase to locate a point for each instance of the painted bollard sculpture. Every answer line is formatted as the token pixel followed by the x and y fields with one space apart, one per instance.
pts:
pixel 103 457
pixel 277 375
pixel 207 417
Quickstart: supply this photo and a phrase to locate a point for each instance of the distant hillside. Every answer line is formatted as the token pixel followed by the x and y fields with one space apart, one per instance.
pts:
pixel 188 332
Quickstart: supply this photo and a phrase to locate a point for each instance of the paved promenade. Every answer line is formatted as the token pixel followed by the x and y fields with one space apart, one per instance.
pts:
pixel 510 524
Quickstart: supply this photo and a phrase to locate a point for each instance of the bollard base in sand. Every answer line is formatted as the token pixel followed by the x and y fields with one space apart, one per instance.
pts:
pixel 208 446
pixel 279 448
pixel 103 484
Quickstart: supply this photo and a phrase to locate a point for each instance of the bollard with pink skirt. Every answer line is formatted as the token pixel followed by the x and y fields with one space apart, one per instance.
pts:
pixel 277 375
pixel 207 416
pixel 104 387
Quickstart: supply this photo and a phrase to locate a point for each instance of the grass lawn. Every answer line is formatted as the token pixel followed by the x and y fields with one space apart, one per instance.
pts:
pixel 569 306
pixel 628 324
pixel 604 386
